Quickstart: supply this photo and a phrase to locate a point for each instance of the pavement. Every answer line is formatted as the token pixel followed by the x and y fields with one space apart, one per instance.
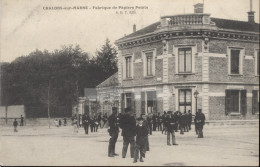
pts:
pixel 225 145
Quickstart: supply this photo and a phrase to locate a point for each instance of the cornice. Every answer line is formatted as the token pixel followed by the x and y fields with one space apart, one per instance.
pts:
pixel 168 34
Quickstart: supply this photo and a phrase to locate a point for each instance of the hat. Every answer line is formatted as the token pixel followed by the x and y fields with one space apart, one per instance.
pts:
pixel 139 119
pixel 169 112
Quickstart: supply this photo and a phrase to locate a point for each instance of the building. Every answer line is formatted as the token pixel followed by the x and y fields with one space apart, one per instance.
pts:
pixel 108 94
pixel 161 66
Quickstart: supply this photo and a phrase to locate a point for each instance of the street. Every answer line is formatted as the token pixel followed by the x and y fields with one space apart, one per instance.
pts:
pixel 222 145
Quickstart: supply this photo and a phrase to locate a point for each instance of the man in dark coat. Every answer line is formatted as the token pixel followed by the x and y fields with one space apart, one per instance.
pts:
pixel 189 119
pixel 182 123
pixel 128 124
pixel 164 116
pixel 177 118
pixel 92 124
pixel 159 124
pixel 99 118
pixel 186 119
pixel 15 124
pixel 195 123
pixel 170 123
pixel 154 118
pixel 85 122
pixel 113 132
pixel 141 133
pixel 200 119
pixel 21 124
pixel 145 124
pixel 150 124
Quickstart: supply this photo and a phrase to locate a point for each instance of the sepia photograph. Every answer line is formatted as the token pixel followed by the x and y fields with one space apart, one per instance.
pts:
pixel 129 82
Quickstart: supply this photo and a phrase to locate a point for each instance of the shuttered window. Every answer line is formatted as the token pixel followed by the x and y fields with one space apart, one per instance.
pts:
pixel 235 61
pixel 255 101
pixel 236 102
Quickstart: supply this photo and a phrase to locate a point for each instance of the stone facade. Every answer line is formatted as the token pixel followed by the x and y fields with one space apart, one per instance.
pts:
pixel 208 45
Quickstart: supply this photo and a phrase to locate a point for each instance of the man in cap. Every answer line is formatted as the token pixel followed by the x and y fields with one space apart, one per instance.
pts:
pixel 113 132
pixel 128 126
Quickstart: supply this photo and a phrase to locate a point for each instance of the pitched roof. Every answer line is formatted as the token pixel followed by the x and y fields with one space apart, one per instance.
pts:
pixel 143 31
pixel 220 23
pixel 111 81
pixel 236 25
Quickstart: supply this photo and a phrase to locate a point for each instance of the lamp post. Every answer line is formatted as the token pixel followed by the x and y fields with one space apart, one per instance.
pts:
pixel 196 93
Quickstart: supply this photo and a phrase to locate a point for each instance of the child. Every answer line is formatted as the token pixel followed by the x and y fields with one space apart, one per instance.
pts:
pixel 141 133
pixel 75 125
pixel 15 125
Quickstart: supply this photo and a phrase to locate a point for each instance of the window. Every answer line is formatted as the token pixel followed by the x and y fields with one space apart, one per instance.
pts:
pixel 185 96
pixel 255 100
pixel 128 67
pixel 185 60
pixel 235 61
pixel 128 100
pixel 149 64
pixel 236 102
pixel 148 57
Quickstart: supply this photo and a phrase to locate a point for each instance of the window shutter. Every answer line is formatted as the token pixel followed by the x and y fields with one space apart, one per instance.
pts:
pixel 243 105
pixel 227 101
pixel 133 102
pixel 122 103
pixel 143 102
pixel 255 105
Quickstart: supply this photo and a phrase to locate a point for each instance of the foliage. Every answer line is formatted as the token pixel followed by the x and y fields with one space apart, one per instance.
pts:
pixel 65 72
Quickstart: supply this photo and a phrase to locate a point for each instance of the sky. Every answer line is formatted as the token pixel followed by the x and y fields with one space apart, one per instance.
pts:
pixel 26 25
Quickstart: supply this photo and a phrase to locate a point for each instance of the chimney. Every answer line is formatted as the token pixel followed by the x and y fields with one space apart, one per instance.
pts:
pixel 134 28
pixel 198 8
pixel 251 14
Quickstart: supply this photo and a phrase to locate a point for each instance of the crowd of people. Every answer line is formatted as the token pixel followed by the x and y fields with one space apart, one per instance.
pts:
pixel 135 131
pixel 93 122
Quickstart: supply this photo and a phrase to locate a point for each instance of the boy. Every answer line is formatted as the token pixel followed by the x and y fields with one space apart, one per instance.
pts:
pixel 141 133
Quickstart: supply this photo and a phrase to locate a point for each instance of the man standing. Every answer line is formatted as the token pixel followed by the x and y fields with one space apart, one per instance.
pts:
pixel 182 123
pixel 154 118
pixel 85 122
pixel 15 123
pixel 170 123
pixel 113 132
pixel 128 125
pixel 200 119
pixel 150 124
pixel 189 119
pixel 99 120
pixel 159 118
pixel 145 124
pixel 164 116
pixel 21 124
